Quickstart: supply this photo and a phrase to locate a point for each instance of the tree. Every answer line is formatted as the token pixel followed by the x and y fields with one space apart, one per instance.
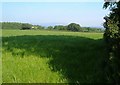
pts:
pixel 40 27
pixel 112 39
pixel 26 26
pixel 74 27
pixel 59 27
pixel 50 27
pixel 11 25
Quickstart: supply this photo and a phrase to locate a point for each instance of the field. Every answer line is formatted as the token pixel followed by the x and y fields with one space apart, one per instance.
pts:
pixel 32 56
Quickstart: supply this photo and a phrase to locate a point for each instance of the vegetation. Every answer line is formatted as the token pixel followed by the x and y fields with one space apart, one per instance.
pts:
pixel 112 38
pixel 11 25
pixel 60 27
pixel 52 57
pixel 74 27
pixel 50 28
pixel 71 27
pixel 89 29
pixel 19 26
pixel 26 26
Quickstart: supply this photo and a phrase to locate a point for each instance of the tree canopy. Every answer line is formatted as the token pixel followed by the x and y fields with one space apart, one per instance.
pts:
pixel 112 38
pixel 74 27
pixel 26 26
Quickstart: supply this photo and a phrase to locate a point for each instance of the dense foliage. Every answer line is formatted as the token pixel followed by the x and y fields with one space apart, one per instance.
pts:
pixel 74 27
pixel 89 29
pixel 11 25
pixel 26 26
pixel 60 27
pixel 18 26
pixel 112 38
pixel 70 27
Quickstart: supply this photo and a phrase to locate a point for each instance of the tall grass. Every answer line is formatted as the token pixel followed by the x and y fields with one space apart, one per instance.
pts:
pixel 52 57
pixel 0 55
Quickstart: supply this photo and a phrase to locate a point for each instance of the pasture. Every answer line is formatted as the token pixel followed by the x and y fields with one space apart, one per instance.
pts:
pixel 39 56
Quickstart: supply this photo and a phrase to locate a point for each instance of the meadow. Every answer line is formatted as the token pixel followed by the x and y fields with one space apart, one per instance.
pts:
pixel 39 56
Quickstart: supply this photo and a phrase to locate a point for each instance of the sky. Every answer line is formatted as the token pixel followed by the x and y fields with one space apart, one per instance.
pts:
pixel 87 14
pixel 53 0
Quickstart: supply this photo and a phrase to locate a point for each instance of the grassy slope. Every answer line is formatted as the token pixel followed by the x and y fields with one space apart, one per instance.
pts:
pixel 51 56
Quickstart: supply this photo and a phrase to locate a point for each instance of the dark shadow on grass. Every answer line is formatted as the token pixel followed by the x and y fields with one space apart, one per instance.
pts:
pixel 79 59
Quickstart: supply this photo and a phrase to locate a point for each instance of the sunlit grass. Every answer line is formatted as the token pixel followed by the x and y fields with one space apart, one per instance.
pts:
pixel 45 32
pixel 28 69
pixel 52 57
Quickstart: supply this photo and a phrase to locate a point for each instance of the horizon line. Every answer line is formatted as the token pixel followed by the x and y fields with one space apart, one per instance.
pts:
pixel 48 24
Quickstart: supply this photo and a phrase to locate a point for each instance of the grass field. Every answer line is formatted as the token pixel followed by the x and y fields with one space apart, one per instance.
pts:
pixel 0 56
pixel 52 57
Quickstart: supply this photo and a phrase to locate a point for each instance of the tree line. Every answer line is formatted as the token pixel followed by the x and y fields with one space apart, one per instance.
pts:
pixel 19 26
pixel 70 27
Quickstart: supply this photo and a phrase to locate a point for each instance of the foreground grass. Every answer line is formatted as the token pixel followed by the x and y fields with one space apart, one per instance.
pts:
pixel 0 68
pixel 52 57
pixel 28 69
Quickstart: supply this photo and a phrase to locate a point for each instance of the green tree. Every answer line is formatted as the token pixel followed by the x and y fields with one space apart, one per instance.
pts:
pixel 40 27
pixel 60 27
pixel 11 25
pixel 26 26
pixel 112 38
pixel 73 27
pixel 50 27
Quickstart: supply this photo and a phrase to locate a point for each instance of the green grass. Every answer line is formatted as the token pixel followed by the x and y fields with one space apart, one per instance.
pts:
pixel 0 56
pixel 8 33
pixel 52 57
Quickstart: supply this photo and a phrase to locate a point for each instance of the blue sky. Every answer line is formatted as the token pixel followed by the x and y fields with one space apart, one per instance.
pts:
pixel 55 13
